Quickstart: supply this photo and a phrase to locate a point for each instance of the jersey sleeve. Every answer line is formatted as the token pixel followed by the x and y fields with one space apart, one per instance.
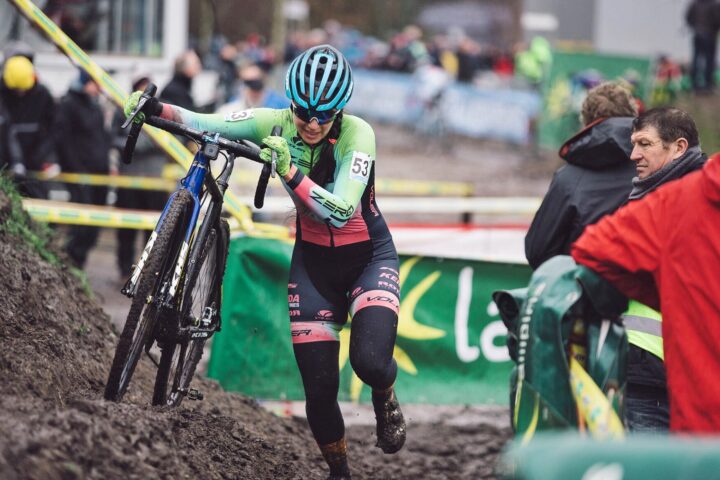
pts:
pixel 252 124
pixel 355 157
pixel 625 248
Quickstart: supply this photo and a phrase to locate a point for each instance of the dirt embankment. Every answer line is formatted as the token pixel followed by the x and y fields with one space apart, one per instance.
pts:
pixel 56 345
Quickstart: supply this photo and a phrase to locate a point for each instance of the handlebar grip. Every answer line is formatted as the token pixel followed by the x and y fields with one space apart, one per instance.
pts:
pixel 130 143
pixel 268 168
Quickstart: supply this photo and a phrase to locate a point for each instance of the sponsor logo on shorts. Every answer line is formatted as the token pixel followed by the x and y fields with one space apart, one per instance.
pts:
pixel 390 276
pixel 388 285
pixel 325 315
pixel 294 301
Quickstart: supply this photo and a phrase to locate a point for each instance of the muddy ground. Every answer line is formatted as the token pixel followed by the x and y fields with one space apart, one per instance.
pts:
pixel 57 342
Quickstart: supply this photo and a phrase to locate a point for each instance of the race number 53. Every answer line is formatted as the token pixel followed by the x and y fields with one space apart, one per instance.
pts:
pixel 360 167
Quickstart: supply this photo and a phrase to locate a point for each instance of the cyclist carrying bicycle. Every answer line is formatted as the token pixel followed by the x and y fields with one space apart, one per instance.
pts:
pixel 344 261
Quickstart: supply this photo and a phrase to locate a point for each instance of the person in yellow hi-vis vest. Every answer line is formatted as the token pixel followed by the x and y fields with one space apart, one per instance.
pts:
pixel 666 147
pixel 647 408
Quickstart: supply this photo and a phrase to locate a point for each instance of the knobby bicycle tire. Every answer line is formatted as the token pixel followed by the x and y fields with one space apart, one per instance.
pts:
pixel 202 286
pixel 143 313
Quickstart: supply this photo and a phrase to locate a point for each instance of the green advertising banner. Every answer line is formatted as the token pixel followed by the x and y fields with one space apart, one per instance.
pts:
pixel 450 346
pixel 572 74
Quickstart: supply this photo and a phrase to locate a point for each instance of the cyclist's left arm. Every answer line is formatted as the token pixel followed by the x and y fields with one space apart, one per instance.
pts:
pixel 355 154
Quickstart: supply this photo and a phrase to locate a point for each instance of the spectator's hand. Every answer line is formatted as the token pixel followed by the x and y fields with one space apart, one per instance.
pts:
pixel 278 145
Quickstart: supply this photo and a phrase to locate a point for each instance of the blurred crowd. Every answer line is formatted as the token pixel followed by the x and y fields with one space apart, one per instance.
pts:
pixel 463 58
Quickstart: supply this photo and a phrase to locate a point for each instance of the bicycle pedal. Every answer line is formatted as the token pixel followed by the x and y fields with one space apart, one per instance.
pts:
pixel 195 394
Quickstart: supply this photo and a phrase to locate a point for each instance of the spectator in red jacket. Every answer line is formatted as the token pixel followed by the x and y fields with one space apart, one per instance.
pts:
pixel 664 251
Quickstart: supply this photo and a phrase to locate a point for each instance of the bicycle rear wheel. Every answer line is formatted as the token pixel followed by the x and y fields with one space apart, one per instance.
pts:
pixel 201 301
pixel 143 314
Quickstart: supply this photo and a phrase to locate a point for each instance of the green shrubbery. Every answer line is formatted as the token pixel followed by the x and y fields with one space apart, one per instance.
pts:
pixel 15 222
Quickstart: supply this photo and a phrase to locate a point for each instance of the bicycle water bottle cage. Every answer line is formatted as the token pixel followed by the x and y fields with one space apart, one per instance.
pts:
pixel 210 146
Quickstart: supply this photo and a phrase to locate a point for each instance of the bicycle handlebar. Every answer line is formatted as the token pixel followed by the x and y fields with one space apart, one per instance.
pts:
pixel 240 148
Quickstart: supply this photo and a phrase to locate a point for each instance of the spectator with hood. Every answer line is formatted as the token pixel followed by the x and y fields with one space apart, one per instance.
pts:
pixel 596 180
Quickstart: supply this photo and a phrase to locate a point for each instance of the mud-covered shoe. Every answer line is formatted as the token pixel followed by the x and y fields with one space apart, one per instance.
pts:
pixel 390 421
pixel 335 455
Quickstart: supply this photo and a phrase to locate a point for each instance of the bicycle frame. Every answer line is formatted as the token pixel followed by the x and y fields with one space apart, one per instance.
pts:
pixel 192 182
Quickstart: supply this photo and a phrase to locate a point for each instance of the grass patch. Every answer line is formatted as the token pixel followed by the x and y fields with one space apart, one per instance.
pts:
pixel 37 236
pixel 17 223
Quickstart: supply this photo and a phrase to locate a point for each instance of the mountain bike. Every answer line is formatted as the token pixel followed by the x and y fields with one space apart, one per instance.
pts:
pixel 175 286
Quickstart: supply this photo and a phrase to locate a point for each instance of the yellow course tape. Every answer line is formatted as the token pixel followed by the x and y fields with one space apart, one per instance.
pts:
pixel 100 216
pixel 165 140
pixel 420 187
pixel 91 215
pixel 602 421
pixel 243 177
pixel 119 181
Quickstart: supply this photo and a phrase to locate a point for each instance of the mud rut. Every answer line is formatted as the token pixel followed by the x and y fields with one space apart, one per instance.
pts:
pixel 56 345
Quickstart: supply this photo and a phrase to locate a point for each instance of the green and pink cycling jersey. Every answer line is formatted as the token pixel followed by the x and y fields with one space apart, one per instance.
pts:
pixel 339 213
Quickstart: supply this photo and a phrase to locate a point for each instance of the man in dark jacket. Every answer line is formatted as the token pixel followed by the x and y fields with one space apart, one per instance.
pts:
pixel 596 180
pixel 26 115
pixel 148 161
pixel 83 146
pixel 179 90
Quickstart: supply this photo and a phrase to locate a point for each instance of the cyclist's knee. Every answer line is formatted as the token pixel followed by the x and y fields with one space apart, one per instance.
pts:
pixel 373 369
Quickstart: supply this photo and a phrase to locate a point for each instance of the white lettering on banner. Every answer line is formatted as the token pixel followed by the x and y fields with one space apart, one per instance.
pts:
pixel 465 352
pixel 493 352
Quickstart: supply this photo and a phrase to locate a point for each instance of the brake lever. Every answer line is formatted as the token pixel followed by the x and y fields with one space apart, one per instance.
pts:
pixel 134 133
pixel 268 169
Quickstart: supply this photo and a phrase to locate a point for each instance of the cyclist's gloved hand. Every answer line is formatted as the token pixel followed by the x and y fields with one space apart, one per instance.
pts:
pixel 278 145
pixel 153 107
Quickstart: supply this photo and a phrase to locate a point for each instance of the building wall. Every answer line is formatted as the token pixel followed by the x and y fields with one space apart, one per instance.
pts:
pixel 574 18
pixel 642 27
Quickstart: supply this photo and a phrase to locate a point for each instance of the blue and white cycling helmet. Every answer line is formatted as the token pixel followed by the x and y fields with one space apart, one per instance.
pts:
pixel 319 79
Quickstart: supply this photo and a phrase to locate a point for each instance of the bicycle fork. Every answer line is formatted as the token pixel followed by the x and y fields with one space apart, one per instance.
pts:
pixel 131 285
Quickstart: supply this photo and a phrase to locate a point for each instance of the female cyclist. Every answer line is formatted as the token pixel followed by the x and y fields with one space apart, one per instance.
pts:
pixel 344 261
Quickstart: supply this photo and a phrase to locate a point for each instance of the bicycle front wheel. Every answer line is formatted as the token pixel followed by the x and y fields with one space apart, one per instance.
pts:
pixel 201 301
pixel 143 315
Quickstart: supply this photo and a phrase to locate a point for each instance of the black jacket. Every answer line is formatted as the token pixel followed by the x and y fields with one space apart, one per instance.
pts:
pixel 595 182
pixel 26 127
pixel 83 142
pixel 179 92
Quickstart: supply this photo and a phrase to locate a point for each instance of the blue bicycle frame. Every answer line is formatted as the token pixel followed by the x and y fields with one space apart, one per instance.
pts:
pixel 192 182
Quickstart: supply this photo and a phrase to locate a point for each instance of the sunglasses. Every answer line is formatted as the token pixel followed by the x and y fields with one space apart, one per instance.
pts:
pixel 308 116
